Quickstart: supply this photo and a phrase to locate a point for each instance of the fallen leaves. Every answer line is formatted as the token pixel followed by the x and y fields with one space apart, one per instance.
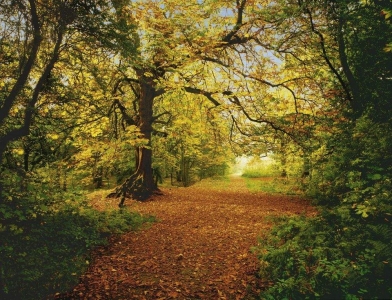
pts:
pixel 199 249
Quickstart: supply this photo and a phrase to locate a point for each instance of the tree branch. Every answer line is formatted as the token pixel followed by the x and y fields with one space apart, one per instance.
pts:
pixel 117 104
pixel 273 125
pixel 232 38
pixel 155 118
pixel 30 109
pixel 19 84
pixel 324 51
pixel 206 94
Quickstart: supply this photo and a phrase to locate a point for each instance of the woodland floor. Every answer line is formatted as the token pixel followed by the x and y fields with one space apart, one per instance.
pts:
pixel 198 249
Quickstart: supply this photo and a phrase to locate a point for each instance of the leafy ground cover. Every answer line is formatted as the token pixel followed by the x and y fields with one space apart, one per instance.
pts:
pixel 47 235
pixel 198 249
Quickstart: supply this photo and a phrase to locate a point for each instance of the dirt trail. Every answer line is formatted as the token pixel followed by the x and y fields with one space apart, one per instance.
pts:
pixel 199 248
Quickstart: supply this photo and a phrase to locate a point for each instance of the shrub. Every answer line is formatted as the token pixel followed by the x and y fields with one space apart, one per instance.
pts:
pixel 327 257
pixel 46 236
pixel 345 252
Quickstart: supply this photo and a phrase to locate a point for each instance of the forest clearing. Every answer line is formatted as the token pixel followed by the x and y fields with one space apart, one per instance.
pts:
pixel 199 248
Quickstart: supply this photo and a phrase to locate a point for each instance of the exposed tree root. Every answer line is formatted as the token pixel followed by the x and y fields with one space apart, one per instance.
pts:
pixel 135 188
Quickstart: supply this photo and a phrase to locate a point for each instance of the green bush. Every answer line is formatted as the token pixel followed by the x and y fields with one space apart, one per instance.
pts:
pixel 346 251
pixel 327 257
pixel 46 237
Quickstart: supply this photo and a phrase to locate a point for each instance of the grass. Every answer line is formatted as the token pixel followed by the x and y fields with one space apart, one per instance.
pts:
pixel 260 171
pixel 216 182
pixel 274 185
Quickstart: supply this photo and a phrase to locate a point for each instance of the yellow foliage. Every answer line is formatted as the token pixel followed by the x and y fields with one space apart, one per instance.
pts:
pixel 18 151
pixel 53 136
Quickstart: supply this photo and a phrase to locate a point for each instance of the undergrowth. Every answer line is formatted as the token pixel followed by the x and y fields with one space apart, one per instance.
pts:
pixel 345 251
pixel 276 185
pixel 326 257
pixel 47 235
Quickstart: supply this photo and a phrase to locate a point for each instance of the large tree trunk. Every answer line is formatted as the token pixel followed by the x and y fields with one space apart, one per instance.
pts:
pixel 140 185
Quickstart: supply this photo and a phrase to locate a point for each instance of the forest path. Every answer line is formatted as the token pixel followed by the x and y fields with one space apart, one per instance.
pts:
pixel 198 249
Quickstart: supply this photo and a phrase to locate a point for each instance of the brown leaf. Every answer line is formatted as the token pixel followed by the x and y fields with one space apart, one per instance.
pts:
pixel 200 246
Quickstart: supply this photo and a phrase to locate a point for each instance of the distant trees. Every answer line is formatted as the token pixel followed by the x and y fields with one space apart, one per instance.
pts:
pixel 194 143
pixel 229 53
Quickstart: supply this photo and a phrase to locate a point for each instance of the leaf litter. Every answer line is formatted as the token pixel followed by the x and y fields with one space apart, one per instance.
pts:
pixel 198 249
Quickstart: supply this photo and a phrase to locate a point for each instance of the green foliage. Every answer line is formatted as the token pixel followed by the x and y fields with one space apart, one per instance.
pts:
pixel 345 252
pixel 193 144
pixel 328 257
pixel 269 173
pixel 258 173
pixel 355 168
pixel 257 168
pixel 46 236
pixel 277 185
pixel 367 33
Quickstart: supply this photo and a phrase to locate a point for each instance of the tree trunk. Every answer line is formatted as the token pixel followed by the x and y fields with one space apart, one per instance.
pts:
pixel 21 81
pixel 140 185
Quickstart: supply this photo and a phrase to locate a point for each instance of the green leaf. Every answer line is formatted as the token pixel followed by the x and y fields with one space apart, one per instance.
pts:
pixel 387 13
pixel 388 47
pixel 374 176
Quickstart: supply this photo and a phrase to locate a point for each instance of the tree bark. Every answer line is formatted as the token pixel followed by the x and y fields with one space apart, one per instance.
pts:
pixel 140 185
pixel 354 86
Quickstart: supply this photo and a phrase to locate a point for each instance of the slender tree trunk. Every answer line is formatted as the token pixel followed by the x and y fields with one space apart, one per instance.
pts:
pixel 23 77
pixel 355 89
pixel 21 81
